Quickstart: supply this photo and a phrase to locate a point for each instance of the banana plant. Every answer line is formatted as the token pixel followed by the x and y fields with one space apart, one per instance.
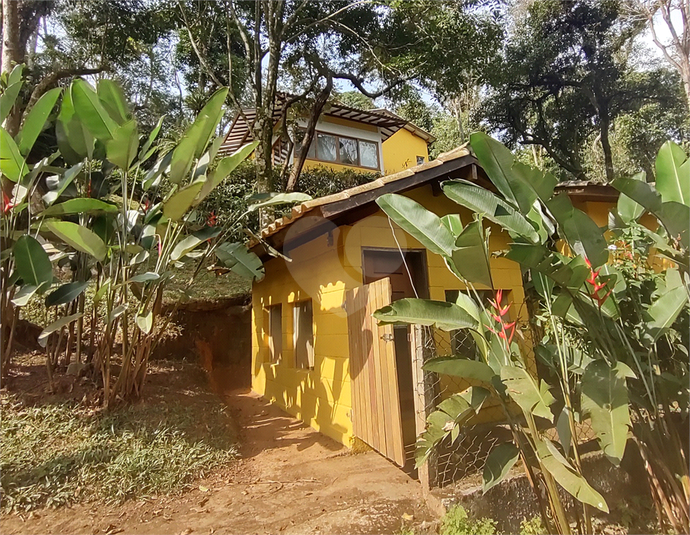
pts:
pixel 123 223
pixel 25 266
pixel 583 296
pixel 501 364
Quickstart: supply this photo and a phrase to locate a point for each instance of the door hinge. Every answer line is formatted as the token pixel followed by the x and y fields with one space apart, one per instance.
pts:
pixel 387 337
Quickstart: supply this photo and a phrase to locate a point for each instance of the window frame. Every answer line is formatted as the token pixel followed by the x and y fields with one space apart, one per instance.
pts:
pixel 275 356
pixel 303 362
pixel 338 161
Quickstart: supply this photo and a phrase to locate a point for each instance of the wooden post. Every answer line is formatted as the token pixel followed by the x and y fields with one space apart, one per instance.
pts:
pixel 425 391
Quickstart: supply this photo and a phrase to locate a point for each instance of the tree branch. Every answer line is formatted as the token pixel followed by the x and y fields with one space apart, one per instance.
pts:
pixel 53 78
pixel 358 83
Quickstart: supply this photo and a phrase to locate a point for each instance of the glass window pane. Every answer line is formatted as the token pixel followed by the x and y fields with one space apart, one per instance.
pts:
pixel 348 151
pixel 368 154
pixel 325 147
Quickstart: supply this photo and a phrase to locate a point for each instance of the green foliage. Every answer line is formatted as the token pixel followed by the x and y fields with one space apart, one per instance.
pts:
pixel 457 522
pixel 533 526
pixel 568 76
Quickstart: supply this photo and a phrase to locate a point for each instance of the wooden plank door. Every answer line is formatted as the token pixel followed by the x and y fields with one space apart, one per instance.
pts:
pixel 375 397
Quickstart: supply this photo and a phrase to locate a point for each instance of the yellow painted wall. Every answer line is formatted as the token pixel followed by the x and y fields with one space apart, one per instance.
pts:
pixel 324 270
pixel 400 151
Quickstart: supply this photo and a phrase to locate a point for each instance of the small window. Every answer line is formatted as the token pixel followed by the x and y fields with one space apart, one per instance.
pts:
pixel 348 151
pixel 368 154
pixel 275 332
pixel 304 335
pixel 326 147
pixel 420 160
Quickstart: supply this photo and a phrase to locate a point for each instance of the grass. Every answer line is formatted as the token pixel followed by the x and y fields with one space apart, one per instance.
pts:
pixel 61 453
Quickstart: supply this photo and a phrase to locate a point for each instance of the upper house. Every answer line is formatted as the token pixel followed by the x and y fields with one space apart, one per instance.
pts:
pixel 346 138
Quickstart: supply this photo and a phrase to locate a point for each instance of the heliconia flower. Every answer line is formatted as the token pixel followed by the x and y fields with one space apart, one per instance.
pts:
pixel 7 203
pixel 160 247
pixel 212 219
pixel 146 205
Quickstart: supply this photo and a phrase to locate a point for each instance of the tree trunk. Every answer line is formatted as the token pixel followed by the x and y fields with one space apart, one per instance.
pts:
pixel 605 142
pixel 11 48
pixel 298 162
pixel 11 54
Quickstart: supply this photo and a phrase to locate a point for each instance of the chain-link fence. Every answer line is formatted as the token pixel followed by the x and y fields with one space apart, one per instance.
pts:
pixel 465 456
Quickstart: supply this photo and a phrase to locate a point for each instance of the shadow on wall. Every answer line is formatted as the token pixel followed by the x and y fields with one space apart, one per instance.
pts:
pixel 218 337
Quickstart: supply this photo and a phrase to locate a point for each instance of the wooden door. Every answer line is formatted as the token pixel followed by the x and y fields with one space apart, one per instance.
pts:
pixel 375 397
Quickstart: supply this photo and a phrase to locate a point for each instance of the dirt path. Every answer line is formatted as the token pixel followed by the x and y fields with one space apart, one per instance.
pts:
pixel 290 479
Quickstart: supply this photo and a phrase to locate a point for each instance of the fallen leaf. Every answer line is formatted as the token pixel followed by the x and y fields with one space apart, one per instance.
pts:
pixel 203 489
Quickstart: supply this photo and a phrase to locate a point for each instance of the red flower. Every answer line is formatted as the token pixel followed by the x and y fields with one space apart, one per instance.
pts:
pixel 7 204
pixel 597 286
pixel 147 205
pixel 507 331
pixel 212 219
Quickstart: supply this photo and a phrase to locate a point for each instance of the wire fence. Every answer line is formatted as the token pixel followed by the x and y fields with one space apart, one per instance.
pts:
pixel 455 460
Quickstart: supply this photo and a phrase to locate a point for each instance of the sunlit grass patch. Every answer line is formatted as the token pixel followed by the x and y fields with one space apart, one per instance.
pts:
pixel 64 453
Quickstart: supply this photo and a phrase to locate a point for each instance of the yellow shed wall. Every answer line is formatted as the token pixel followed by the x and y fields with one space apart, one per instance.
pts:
pixel 323 272
pixel 400 151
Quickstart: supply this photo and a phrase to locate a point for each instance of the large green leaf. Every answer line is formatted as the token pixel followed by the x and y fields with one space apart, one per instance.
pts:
pixel 542 182
pixel 56 326
pixel 579 230
pixel 672 178
pixel 451 414
pixel 191 242
pixel 8 99
pixel 668 306
pixel 74 140
pixel 197 136
pixel 36 120
pixel 461 367
pixel 23 296
pixel 453 223
pixel 113 100
pixel 275 199
pixel 445 315
pixel 418 222
pixel 32 262
pixel 605 398
pixel 66 293
pixel 482 201
pixel 538 258
pixel 122 148
pixel 566 476
pixel 471 255
pixel 153 177
pixel 532 397
pixel 80 205
pixel 177 205
pixel 499 462
pixel 640 191
pixel 497 161
pixel 676 219
pixel 238 258
pixel 79 237
pixel 61 183
pixel 90 110
pixel 12 164
pixel 628 209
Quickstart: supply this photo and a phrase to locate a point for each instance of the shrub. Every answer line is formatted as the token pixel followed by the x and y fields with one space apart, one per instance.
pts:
pixel 457 522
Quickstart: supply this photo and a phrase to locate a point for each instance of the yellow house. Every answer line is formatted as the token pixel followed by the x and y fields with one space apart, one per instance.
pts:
pixel 346 138
pixel 317 352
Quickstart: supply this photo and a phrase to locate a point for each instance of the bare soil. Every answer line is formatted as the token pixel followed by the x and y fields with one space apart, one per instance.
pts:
pixel 290 479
